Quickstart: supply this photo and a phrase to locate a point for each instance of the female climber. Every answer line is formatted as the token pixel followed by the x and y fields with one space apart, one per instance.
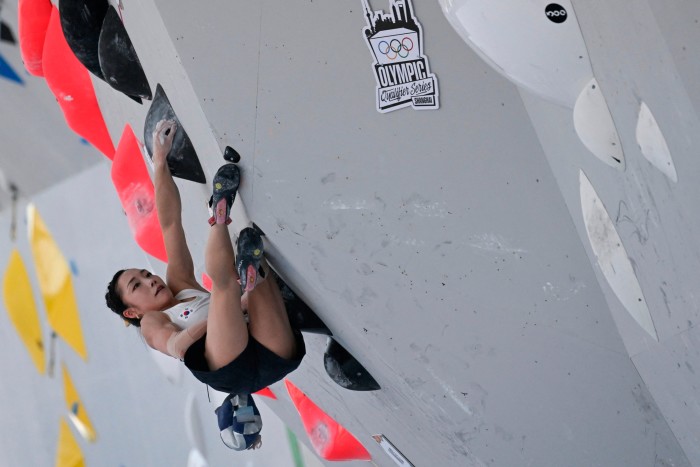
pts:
pixel 209 331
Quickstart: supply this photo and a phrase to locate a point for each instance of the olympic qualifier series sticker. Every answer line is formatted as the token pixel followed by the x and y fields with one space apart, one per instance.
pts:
pixel 402 71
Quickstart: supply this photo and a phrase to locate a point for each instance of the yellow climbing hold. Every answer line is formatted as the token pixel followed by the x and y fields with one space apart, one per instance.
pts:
pixel 218 186
pixel 68 453
pixel 20 305
pixel 76 410
pixel 54 276
pixel 257 252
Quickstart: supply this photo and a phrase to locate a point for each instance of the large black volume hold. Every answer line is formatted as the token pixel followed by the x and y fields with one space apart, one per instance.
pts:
pixel 182 159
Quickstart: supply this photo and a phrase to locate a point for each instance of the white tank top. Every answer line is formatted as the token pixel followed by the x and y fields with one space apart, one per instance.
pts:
pixel 187 314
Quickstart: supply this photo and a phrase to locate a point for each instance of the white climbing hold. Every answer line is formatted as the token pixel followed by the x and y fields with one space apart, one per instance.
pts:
pixel 612 257
pixel 653 144
pixel 595 126
pixel 522 40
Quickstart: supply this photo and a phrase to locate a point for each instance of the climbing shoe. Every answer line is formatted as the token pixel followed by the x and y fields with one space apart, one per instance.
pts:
pixel 225 186
pixel 250 264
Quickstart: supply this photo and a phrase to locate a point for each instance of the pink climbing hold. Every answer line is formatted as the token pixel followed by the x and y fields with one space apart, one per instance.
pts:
pixel 137 195
pixel 329 438
pixel 206 281
pixel 267 392
pixel 70 83
pixel 32 21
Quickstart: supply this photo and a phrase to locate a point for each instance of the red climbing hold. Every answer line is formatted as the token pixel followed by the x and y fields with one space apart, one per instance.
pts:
pixel 329 438
pixel 135 189
pixel 70 83
pixel 267 392
pixel 33 19
pixel 206 281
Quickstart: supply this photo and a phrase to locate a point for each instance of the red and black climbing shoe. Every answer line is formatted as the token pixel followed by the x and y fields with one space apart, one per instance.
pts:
pixel 226 182
pixel 250 263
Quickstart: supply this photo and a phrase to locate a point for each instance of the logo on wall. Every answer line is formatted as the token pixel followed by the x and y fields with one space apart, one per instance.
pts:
pixel 555 12
pixel 402 71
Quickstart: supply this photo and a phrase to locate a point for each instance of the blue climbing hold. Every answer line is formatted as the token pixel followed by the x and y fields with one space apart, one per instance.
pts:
pixel 7 72
pixel 74 267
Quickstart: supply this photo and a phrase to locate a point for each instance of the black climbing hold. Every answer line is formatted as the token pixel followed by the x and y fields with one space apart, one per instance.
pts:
pixel 135 99
pixel 301 317
pixel 81 21
pixel 118 60
pixel 231 155
pixel 342 367
pixel 182 159
pixel 345 370
pixel 6 34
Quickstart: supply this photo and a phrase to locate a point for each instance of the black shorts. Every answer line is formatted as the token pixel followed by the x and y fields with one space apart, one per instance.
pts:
pixel 254 369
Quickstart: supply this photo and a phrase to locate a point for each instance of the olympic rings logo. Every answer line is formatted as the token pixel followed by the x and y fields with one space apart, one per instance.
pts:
pixel 396 48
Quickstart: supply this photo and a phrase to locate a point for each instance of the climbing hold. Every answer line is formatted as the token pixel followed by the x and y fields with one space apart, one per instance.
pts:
pixel 6 33
pixel 595 127
pixel 329 438
pixel 55 283
pixel 182 159
pixel 612 258
pixel 267 392
pixel 119 63
pixel 33 20
pixel 81 22
pixel 301 316
pixel 345 370
pixel 19 303
pixel 137 195
pixel 521 41
pixel 7 72
pixel 68 452
pixel 70 83
pixel 231 155
pixel 653 144
pixel 76 410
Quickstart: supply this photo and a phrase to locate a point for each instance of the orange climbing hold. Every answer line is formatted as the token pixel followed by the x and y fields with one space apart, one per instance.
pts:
pixel 137 195
pixel 32 21
pixel 328 437
pixel 70 83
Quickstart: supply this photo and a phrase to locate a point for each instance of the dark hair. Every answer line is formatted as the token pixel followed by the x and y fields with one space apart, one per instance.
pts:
pixel 115 302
